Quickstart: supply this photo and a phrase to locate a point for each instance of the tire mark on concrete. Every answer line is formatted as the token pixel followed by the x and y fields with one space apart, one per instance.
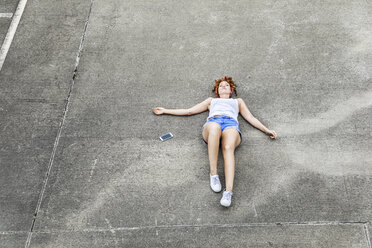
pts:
pixel 330 118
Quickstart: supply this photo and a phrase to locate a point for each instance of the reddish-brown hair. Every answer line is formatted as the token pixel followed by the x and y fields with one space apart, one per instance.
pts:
pixel 229 81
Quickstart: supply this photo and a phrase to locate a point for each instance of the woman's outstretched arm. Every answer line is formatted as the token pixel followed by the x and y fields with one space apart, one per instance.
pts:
pixel 198 108
pixel 244 111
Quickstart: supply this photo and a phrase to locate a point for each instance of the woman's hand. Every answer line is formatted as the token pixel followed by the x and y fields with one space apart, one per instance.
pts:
pixel 272 134
pixel 158 110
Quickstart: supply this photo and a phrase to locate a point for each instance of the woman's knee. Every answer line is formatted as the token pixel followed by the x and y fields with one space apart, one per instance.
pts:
pixel 228 147
pixel 230 139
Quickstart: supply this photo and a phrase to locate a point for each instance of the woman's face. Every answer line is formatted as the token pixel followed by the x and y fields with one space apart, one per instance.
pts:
pixel 224 87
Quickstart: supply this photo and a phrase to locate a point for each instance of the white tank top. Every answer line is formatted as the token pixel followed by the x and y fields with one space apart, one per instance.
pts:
pixel 222 106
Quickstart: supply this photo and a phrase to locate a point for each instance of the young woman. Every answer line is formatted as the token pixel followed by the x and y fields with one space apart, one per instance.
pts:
pixel 222 126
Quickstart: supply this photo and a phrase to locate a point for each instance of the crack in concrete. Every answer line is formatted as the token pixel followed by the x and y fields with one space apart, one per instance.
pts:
pixel 365 227
pixel 28 241
pixel 263 224
pixel 111 229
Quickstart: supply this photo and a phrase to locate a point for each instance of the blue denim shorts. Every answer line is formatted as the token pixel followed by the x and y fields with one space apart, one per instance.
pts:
pixel 224 122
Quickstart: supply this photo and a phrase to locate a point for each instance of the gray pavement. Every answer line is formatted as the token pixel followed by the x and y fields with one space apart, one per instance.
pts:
pixel 8 6
pixel 81 162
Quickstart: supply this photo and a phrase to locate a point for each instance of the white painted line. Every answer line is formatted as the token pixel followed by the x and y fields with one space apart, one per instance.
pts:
pixel 11 31
pixel 6 15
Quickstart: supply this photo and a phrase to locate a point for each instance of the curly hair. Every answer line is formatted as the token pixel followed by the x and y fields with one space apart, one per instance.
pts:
pixel 229 81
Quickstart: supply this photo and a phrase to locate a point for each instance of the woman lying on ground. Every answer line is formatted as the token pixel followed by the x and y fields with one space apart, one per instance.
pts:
pixel 222 125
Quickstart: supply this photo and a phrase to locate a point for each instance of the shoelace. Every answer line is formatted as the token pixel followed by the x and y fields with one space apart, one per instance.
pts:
pixel 215 180
pixel 227 196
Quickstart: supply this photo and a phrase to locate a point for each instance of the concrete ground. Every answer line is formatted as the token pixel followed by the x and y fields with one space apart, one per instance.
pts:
pixel 81 163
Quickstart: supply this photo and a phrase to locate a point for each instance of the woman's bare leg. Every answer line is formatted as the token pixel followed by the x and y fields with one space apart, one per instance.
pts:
pixel 212 134
pixel 230 140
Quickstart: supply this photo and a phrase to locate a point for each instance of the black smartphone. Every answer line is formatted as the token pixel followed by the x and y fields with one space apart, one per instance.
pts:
pixel 166 137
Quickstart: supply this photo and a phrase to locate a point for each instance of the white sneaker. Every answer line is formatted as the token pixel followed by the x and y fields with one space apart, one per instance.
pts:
pixel 215 183
pixel 226 198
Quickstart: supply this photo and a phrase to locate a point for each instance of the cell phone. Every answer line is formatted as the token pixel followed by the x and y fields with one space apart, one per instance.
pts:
pixel 166 136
